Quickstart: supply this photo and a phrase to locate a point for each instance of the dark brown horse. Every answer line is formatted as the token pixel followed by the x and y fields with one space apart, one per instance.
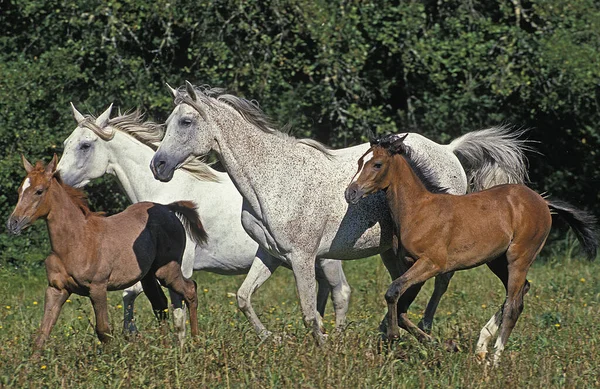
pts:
pixel 92 253
pixel 504 227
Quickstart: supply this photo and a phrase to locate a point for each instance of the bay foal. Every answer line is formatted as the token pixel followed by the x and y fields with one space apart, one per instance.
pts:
pixel 92 253
pixel 504 227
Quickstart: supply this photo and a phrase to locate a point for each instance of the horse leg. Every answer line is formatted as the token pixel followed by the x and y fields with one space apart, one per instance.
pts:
pixel 422 270
pixel 187 268
pixel 441 285
pixel 157 297
pixel 53 302
pixel 323 290
pixel 263 266
pixel 98 295
pixel 396 267
pixel 499 267
pixel 519 256
pixel 304 273
pixel 180 288
pixel 340 289
pixel 129 296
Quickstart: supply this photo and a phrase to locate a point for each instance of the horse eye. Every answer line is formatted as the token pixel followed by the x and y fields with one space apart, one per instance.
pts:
pixel 185 122
pixel 39 191
pixel 377 165
pixel 85 146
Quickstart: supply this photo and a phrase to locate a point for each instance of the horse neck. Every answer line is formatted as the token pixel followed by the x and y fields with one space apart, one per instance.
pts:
pixel 65 220
pixel 129 160
pixel 405 191
pixel 253 157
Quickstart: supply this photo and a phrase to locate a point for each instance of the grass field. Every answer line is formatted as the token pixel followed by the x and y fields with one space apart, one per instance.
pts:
pixel 556 342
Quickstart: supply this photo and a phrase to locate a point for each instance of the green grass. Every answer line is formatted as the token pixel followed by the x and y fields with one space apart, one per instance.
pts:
pixel 556 342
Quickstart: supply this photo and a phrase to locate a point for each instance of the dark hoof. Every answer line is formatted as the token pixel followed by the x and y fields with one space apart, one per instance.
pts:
pixel 451 346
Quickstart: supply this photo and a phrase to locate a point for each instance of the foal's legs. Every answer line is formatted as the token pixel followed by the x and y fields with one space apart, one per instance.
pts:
pixel 156 296
pixel 441 285
pixel 340 289
pixel 263 266
pixel 53 302
pixel 100 304
pixel 171 276
pixel 129 296
pixel 499 267
pixel 397 267
pixel 421 271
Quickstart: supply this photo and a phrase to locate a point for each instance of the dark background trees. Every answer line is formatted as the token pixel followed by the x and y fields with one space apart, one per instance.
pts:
pixel 332 69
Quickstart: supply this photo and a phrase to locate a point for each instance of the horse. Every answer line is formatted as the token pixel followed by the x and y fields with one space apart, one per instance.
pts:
pixel 92 253
pixel 123 146
pixel 504 227
pixel 293 188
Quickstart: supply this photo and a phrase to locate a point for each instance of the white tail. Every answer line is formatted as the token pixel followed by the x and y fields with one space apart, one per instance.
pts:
pixel 492 156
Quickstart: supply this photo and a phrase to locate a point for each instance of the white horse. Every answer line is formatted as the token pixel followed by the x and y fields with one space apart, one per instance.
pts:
pixel 123 146
pixel 293 190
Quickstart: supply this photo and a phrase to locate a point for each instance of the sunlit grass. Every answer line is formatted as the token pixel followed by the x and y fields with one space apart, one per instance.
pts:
pixel 556 342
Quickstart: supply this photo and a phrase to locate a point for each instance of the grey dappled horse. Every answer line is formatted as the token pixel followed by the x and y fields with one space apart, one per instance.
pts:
pixel 293 189
pixel 123 146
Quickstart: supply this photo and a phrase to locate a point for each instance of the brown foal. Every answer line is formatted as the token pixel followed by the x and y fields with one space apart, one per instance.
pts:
pixel 92 253
pixel 504 227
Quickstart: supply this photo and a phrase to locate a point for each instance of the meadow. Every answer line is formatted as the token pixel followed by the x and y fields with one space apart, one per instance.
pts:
pixel 556 342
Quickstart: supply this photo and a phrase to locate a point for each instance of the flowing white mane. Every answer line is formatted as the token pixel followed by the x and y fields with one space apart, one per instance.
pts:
pixel 248 109
pixel 149 134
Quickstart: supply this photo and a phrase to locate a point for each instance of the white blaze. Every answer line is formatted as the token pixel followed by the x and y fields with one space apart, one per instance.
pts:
pixel 367 157
pixel 26 184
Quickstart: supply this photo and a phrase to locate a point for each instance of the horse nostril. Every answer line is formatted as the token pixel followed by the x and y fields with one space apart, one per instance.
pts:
pixel 160 166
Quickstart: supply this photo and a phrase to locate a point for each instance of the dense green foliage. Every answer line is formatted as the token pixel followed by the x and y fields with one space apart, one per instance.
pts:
pixel 555 344
pixel 332 69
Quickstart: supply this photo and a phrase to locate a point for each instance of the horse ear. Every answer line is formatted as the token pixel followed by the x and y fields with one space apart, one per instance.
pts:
pixel 189 88
pixel 372 140
pixel 102 120
pixel 397 147
pixel 51 167
pixel 28 167
pixel 77 115
pixel 173 91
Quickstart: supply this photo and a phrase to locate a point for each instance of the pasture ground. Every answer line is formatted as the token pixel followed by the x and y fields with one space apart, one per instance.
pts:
pixel 556 342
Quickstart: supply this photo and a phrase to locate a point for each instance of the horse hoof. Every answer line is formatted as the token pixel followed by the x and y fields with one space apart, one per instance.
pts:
pixel 451 346
pixel 481 357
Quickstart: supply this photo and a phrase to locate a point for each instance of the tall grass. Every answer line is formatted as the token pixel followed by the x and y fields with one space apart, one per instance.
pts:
pixel 556 342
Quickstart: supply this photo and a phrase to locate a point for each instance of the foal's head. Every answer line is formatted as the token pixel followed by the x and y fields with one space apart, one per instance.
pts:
pixel 373 167
pixel 33 200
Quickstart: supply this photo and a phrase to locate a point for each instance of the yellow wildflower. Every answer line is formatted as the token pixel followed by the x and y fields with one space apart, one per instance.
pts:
pixel 582 279
pixel 44 367
pixel 35 303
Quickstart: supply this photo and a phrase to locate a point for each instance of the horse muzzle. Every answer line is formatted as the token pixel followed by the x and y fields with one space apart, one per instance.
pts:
pixel 161 169
pixel 17 224
pixel 353 193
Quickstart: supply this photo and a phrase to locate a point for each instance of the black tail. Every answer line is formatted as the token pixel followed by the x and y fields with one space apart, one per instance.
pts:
pixel 191 220
pixel 582 222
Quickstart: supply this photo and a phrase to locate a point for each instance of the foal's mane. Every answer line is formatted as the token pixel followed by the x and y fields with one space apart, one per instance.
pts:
pixel 418 164
pixel 248 109
pixel 149 134
pixel 77 196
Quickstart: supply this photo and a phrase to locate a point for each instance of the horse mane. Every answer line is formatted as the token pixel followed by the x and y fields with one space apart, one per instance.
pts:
pixel 149 134
pixel 248 109
pixel 79 198
pixel 418 164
